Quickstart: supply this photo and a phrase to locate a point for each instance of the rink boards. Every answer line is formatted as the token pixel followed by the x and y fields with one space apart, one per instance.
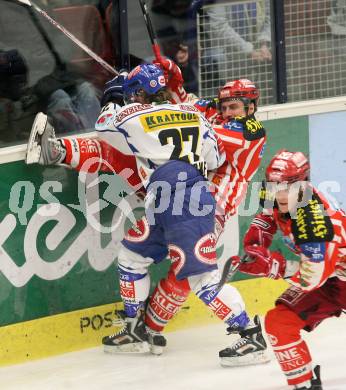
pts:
pixel 85 328
pixel 58 277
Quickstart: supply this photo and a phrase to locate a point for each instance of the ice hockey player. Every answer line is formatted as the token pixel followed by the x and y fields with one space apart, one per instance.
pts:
pixel 244 140
pixel 194 258
pixel 314 231
pixel 77 152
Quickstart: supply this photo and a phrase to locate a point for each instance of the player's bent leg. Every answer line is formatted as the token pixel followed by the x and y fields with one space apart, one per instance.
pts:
pixel 283 327
pixel 228 305
pixel 134 291
pixel 165 302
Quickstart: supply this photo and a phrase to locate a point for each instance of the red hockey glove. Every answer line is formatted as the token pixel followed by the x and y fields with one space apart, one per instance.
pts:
pixel 262 262
pixel 172 72
pixel 261 231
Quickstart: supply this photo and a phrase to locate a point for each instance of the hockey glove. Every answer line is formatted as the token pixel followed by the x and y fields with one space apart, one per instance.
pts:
pixel 252 128
pixel 172 73
pixel 262 262
pixel 43 146
pixel 113 91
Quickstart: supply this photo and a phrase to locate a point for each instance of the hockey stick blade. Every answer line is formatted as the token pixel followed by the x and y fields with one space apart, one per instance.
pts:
pixel 33 150
pixel 229 271
pixel 73 38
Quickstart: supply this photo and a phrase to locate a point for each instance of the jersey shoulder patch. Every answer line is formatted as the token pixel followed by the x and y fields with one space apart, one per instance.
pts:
pixel 312 224
pixel 315 251
pixel 253 129
pixel 234 125
pixel 107 116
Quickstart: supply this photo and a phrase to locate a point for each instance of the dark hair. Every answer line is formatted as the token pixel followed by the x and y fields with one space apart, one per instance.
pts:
pixel 161 96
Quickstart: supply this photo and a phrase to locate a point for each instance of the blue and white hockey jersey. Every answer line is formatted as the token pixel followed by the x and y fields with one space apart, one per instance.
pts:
pixel 158 133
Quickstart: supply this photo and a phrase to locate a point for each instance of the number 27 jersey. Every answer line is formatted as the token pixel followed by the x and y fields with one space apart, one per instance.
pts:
pixel 158 133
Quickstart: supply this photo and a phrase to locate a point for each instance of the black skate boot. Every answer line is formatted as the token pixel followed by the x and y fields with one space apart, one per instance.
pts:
pixel 248 350
pixel 133 337
pixel 316 383
pixel 156 340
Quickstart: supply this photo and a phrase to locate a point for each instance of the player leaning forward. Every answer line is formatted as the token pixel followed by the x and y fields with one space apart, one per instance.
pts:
pixel 171 143
pixel 316 232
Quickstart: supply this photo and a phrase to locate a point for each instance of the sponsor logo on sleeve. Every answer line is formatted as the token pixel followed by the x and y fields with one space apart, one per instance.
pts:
pixel 315 251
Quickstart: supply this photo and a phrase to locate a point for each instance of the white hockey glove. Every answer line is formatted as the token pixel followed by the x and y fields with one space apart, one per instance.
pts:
pixel 43 146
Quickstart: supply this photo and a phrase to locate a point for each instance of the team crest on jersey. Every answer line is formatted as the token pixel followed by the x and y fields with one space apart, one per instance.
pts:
pixel 139 231
pixel 104 120
pixel 205 249
pixel 177 256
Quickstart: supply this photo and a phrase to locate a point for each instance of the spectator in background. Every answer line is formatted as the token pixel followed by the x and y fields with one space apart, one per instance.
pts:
pixel 175 24
pixel 36 76
pixel 13 81
pixel 239 36
pixel 337 19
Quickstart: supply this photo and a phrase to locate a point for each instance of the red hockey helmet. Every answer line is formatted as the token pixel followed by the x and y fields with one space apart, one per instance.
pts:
pixel 242 88
pixel 288 167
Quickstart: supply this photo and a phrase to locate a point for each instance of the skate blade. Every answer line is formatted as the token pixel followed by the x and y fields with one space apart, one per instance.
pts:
pixel 156 349
pixel 250 359
pixel 127 348
pixel 33 150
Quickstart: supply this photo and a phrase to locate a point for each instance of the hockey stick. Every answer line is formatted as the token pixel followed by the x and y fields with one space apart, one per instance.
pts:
pixel 71 36
pixel 153 39
pixel 229 271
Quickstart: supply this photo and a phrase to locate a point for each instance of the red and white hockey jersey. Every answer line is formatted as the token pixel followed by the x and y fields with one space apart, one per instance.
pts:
pixel 244 152
pixel 317 235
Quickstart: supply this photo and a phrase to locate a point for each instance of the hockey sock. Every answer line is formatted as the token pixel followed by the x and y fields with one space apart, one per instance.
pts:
pixel 166 300
pixel 283 328
pixel 134 290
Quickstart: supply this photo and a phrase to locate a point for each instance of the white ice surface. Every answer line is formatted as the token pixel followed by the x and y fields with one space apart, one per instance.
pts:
pixel 190 362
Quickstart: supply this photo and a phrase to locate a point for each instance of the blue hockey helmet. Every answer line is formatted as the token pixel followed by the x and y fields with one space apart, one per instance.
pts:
pixel 147 77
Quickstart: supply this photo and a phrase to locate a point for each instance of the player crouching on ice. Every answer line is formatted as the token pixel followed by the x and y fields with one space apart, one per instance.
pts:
pixel 315 232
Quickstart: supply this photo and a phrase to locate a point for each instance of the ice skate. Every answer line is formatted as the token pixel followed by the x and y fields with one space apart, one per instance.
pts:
pixel 132 338
pixel 315 383
pixel 157 341
pixel 250 349
pixel 43 146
